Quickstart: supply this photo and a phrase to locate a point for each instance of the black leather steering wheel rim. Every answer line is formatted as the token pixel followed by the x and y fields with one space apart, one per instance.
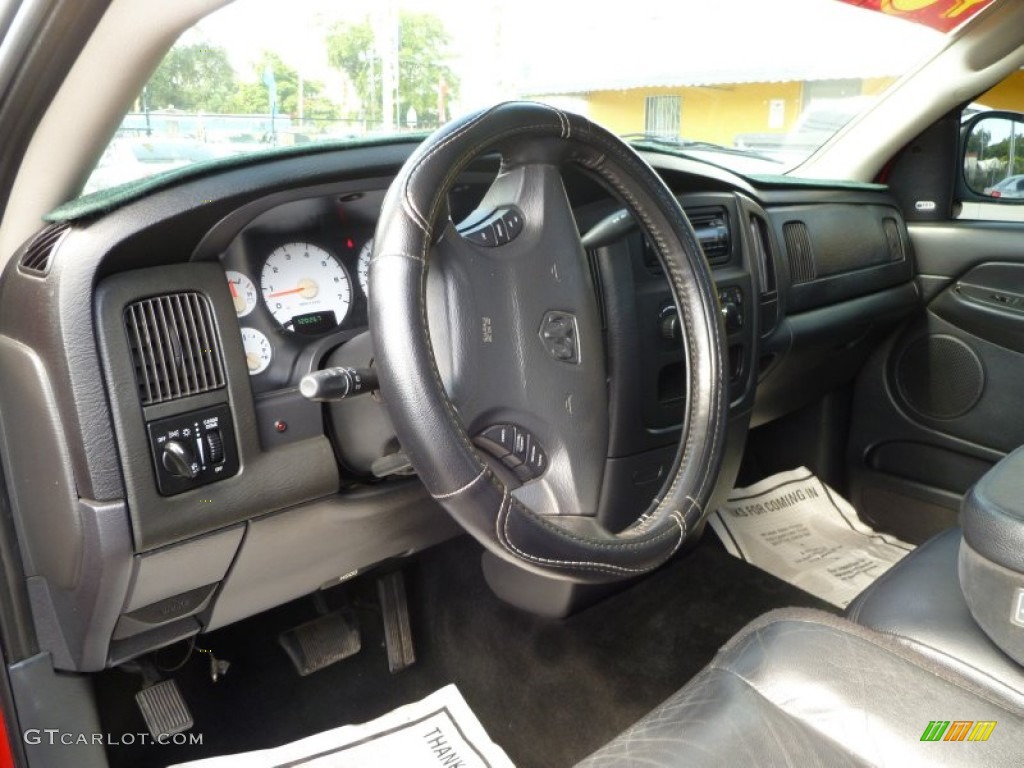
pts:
pixel 428 424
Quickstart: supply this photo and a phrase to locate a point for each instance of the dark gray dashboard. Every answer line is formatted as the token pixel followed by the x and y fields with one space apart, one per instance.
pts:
pixel 121 560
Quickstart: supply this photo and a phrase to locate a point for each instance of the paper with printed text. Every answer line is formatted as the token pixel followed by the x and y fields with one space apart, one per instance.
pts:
pixel 439 731
pixel 797 528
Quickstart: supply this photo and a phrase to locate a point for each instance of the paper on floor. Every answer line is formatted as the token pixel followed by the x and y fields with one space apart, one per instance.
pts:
pixel 440 730
pixel 800 530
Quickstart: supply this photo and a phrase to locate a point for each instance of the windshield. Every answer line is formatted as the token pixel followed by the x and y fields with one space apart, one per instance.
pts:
pixel 753 85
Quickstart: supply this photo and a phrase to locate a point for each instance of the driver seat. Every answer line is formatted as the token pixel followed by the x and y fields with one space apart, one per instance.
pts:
pixel 800 687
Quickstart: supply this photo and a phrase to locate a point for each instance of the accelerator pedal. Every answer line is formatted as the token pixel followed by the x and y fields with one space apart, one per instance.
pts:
pixel 397 630
pixel 164 709
pixel 322 641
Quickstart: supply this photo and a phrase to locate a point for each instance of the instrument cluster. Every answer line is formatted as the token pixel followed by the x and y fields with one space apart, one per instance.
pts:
pixel 297 275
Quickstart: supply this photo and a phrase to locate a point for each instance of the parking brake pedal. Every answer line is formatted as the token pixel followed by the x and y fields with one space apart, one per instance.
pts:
pixel 164 709
pixel 322 641
pixel 397 631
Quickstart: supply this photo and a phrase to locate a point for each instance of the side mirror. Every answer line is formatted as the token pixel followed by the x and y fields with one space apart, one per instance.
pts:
pixel 993 156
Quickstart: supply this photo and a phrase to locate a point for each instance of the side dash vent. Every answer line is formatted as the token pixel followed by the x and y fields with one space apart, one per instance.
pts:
pixel 893 239
pixel 36 258
pixel 764 259
pixel 174 347
pixel 801 255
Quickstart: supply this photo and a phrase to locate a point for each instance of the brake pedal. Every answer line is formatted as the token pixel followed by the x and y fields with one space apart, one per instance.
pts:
pixel 397 630
pixel 322 641
pixel 164 709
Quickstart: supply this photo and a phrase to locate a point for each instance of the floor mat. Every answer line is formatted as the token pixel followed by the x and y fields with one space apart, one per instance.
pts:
pixel 438 730
pixel 797 528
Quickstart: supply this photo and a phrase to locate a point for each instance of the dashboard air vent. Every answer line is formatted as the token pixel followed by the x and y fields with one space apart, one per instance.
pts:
pixel 712 228
pixel 764 258
pixel 174 347
pixel 801 255
pixel 36 258
pixel 763 255
pixel 893 239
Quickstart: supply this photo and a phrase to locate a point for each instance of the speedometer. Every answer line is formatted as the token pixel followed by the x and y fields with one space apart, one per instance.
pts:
pixel 301 280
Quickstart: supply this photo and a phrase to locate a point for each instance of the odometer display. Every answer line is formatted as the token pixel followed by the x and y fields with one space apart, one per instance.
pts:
pixel 300 279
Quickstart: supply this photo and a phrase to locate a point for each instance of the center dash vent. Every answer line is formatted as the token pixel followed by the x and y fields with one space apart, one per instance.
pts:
pixel 174 346
pixel 711 226
pixel 36 258
pixel 801 255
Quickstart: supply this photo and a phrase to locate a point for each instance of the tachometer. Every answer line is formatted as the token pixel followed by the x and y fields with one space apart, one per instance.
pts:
pixel 258 352
pixel 300 279
pixel 363 268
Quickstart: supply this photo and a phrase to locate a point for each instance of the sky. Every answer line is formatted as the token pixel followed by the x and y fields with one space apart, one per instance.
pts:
pixel 246 27
pixel 500 43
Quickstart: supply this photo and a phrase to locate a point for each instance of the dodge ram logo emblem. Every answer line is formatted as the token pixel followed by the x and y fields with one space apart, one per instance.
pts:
pixel 561 336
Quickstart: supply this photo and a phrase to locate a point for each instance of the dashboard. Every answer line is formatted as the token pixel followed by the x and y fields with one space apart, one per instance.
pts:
pixel 150 360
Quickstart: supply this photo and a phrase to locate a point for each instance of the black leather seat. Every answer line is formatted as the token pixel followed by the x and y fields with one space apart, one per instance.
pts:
pixel 920 603
pixel 805 688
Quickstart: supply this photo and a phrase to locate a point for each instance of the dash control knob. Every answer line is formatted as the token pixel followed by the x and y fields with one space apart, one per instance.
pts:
pixel 178 459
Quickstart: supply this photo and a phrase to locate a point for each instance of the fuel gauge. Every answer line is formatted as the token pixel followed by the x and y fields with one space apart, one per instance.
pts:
pixel 243 292
pixel 258 351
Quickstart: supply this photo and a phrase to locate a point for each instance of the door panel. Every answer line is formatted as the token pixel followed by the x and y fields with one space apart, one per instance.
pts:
pixel 941 401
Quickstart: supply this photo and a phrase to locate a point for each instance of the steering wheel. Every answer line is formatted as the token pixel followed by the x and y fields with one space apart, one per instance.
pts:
pixel 489 350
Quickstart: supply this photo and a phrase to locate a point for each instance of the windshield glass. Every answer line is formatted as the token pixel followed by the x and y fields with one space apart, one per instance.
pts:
pixel 752 85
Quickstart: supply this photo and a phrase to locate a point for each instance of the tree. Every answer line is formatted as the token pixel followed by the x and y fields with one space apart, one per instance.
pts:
pixel 252 98
pixel 422 65
pixel 194 77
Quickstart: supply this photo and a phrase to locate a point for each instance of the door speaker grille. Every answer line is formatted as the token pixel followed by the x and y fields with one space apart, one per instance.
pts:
pixel 940 377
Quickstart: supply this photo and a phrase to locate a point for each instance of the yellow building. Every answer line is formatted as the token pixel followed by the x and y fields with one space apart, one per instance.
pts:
pixel 1008 95
pixel 745 80
pixel 733 114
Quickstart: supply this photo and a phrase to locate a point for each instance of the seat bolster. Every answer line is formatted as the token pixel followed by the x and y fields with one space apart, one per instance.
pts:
pixel 800 688
pixel 919 601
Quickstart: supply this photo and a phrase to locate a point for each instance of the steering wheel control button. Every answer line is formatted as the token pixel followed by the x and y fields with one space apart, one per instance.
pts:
pixel 536 460
pixel 193 449
pixel 560 335
pixel 496 228
pixel 513 221
pixel 516 448
pixel 497 440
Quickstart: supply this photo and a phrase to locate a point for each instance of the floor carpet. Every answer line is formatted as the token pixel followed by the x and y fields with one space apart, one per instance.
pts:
pixel 548 691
